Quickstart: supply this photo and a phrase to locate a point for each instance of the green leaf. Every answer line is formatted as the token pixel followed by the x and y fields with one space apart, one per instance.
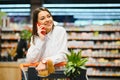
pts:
pixel 83 61
pixel 82 67
pixel 73 70
pixel 75 63
pixel 25 34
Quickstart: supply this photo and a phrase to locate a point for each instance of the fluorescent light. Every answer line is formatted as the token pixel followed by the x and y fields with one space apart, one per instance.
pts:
pixel 15 10
pixel 86 14
pixel 18 14
pixel 14 5
pixel 83 10
pixel 96 17
pixel 81 5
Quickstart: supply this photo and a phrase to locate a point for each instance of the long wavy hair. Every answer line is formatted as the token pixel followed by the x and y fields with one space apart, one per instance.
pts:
pixel 35 20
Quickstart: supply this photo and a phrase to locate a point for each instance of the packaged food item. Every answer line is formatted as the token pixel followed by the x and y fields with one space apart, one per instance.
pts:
pixel 50 69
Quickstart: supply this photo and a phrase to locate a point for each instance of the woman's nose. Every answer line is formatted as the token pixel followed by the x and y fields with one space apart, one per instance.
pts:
pixel 47 19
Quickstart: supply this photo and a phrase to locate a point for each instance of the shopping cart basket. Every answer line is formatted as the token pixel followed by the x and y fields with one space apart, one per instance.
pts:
pixel 32 74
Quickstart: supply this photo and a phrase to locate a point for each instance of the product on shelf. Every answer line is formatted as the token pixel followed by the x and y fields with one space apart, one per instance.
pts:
pixel 101 44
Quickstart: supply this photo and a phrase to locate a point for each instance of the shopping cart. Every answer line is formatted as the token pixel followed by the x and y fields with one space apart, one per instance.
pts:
pixel 30 73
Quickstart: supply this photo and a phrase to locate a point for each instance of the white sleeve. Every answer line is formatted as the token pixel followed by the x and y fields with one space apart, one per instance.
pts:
pixel 62 48
pixel 34 51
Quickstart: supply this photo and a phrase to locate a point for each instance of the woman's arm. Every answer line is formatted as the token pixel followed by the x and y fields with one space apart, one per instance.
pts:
pixel 34 52
pixel 62 47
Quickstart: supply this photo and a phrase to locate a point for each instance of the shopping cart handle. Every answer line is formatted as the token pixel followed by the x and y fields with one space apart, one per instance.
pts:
pixel 36 64
pixel 28 64
pixel 60 64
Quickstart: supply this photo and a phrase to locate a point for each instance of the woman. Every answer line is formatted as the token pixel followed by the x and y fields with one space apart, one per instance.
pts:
pixel 51 45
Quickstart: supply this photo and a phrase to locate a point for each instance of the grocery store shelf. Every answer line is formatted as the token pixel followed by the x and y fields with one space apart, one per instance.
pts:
pixel 94 28
pixel 102 65
pixel 94 47
pixel 10 38
pixel 91 39
pixel 109 74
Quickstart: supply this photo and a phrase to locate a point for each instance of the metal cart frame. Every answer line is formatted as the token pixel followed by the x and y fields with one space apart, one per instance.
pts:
pixel 33 75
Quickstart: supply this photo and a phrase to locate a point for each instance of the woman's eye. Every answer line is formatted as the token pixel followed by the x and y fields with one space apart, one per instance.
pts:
pixel 48 16
pixel 41 18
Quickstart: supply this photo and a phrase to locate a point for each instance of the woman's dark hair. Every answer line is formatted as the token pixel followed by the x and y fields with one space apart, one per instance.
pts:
pixel 35 19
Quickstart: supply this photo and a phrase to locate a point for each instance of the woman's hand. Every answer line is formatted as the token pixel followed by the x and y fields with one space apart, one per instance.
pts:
pixel 41 30
pixel 42 71
pixel 41 67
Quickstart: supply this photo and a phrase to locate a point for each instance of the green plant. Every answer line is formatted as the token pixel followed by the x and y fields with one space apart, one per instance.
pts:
pixel 25 34
pixel 74 64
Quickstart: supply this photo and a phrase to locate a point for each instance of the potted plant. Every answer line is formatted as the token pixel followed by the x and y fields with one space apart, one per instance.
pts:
pixel 25 34
pixel 75 65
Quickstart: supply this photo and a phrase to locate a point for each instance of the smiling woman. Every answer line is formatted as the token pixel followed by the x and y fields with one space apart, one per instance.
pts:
pixel 51 46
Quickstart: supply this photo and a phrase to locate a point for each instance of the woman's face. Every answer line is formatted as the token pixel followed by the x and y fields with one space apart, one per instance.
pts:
pixel 46 20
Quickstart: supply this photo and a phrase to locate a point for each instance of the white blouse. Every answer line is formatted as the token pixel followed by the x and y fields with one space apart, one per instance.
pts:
pixel 56 47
